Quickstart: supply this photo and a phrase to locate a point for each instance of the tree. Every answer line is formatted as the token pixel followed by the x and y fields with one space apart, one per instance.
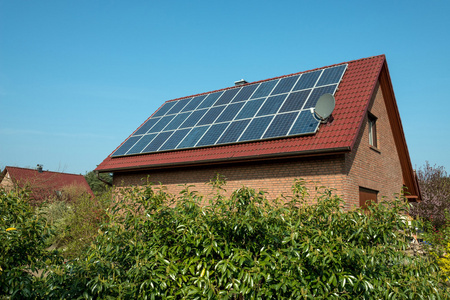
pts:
pixel 98 186
pixel 435 189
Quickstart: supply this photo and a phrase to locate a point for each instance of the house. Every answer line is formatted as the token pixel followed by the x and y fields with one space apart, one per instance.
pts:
pixel 43 185
pixel 267 133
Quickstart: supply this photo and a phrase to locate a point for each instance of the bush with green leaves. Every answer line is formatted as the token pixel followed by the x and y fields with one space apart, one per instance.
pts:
pixel 160 246
pixel 76 218
pixel 23 236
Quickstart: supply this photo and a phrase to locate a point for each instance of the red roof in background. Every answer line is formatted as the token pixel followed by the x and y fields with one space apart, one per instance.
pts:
pixel 45 181
pixel 352 99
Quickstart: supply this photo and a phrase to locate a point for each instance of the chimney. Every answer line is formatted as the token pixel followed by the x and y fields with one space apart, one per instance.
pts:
pixel 240 82
pixel 39 168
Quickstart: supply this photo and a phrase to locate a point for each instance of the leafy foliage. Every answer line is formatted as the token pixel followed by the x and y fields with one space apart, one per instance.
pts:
pixel 157 245
pixel 435 189
pixel 76 218
pixel 23 236
pixel 99 186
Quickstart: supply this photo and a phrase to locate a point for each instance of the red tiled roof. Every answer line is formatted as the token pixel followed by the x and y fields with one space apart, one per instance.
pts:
pixel 352 100
pixel 45 181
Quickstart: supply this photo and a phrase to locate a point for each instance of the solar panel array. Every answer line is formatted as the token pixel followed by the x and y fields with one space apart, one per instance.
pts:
pixel 265 110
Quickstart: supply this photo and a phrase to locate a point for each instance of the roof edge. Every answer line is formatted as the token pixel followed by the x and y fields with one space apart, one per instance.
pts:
pixel 320 152
pixel 409 176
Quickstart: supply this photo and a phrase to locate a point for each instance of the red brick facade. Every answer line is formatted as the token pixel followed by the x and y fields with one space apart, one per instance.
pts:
pixel 377 169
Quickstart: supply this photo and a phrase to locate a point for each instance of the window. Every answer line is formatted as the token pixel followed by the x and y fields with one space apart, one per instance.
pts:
pixel 366 197
pixel 372 130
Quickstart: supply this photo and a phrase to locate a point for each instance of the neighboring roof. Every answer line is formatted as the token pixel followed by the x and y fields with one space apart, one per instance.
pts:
pixel 352 98
pixel 46 180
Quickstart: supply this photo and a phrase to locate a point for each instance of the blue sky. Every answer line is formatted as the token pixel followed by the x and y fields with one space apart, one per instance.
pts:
pixel 77 77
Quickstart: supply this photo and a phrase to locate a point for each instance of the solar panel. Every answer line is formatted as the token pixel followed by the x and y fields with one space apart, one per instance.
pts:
pixel 142 143
pixel 250 109
pixel 233 132
pixel 245 93
pixel 264 89
pixel 271 109
pixel 230 112
pixel 212 135
pixel 256 128
pixel 280 125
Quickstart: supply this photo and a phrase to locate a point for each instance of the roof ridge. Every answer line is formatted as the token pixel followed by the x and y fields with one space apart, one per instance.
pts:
pixel 272 78
pixel 44 171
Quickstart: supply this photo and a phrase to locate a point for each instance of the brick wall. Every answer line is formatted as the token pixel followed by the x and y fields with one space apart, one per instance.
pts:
pixel 377 169
pixel 275 177
pixel 374 168
pixel 6 182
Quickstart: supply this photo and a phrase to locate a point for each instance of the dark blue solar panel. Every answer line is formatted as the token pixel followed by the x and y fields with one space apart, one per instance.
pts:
pixel 264 89
pixel 233 132
pixel 250 108
pixel 193 118
pixel 295 101
pixel 315 95
pixel 307 80
pixel 331 75
pixel 142 143
pixel 176 122
pixel 213 133
pixel 193 137
pixel 280 125
pixel 238 114
pixel 245 93
pixel 272 105
pixel 126 146
pixel 211 115
pixel 305 123
pixel 161 124
pixel 147 125
pixel 256 128
pixel 180 104
pixel 227 96
pixel 174 139
pixel 162 111
pixel 157 141
pixel 194 103
pixel 209 101
pixel 285 85
pixel 230 112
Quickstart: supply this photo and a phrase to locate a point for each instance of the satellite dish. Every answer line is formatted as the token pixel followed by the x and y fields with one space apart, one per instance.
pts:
pixel 325 106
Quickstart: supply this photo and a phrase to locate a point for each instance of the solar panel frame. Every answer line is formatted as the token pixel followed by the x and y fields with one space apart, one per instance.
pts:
pixel 230 112
pixel 164 108
pixel 245 93
pixel 227 96
pixel 146 126
pixel 233 132
pixel 264 89
pixel 210 100
pixel 175 139
pixel 142 143
pixel 280 125
pixel 197 121
pixel 194 103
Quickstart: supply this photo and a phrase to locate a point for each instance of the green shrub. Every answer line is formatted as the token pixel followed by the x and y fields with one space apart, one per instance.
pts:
pixel 157 246
pixel 76 219
pixel 23 236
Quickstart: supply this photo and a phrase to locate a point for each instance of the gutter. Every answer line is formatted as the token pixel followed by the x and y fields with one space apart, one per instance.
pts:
pixel 310 153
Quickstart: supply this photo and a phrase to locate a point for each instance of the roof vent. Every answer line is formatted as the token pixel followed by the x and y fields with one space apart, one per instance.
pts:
pixel 39 168
pixel 240 82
